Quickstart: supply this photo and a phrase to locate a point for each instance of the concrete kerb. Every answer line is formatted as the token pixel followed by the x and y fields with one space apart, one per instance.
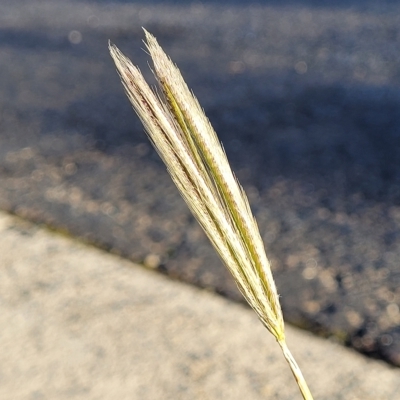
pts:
pixel 79 323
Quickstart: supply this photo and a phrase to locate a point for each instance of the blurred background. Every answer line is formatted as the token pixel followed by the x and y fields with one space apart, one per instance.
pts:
pixel 305 97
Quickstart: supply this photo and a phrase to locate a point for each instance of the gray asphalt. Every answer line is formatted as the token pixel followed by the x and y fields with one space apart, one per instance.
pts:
pixel 305 97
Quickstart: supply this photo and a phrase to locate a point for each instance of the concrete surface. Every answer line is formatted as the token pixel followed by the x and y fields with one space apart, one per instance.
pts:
pixel 79 323
pixel 304 95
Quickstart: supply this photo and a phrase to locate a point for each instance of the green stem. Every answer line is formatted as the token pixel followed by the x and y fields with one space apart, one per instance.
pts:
pixel 301 382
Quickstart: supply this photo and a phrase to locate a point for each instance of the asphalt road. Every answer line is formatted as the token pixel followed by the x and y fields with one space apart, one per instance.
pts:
pixel 305 98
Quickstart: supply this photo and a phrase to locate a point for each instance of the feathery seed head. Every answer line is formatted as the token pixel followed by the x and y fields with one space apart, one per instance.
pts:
pixel 187 143
pixel 197 163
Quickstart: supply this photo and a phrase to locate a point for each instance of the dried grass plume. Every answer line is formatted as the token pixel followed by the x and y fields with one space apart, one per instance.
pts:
pixel 197 163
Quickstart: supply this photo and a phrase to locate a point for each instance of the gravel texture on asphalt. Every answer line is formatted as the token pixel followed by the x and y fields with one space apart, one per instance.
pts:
pixel 305 98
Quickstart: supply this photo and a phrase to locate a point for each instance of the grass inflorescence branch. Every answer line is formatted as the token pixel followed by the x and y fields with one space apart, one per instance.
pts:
pixel 197 163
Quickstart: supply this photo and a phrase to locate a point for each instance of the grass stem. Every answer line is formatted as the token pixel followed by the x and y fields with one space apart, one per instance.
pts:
pixel 298 375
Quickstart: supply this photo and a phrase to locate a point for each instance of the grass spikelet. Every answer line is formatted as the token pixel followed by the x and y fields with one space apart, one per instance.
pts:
pixel 196 161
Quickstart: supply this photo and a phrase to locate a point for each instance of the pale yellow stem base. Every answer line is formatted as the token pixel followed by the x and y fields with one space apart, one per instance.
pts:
pixel 301 382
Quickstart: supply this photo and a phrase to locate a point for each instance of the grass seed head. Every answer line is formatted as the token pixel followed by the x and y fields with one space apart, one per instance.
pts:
pixel 197 163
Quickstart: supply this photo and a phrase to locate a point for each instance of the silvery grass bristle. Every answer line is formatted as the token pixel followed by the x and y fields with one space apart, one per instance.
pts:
pixel 188 145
